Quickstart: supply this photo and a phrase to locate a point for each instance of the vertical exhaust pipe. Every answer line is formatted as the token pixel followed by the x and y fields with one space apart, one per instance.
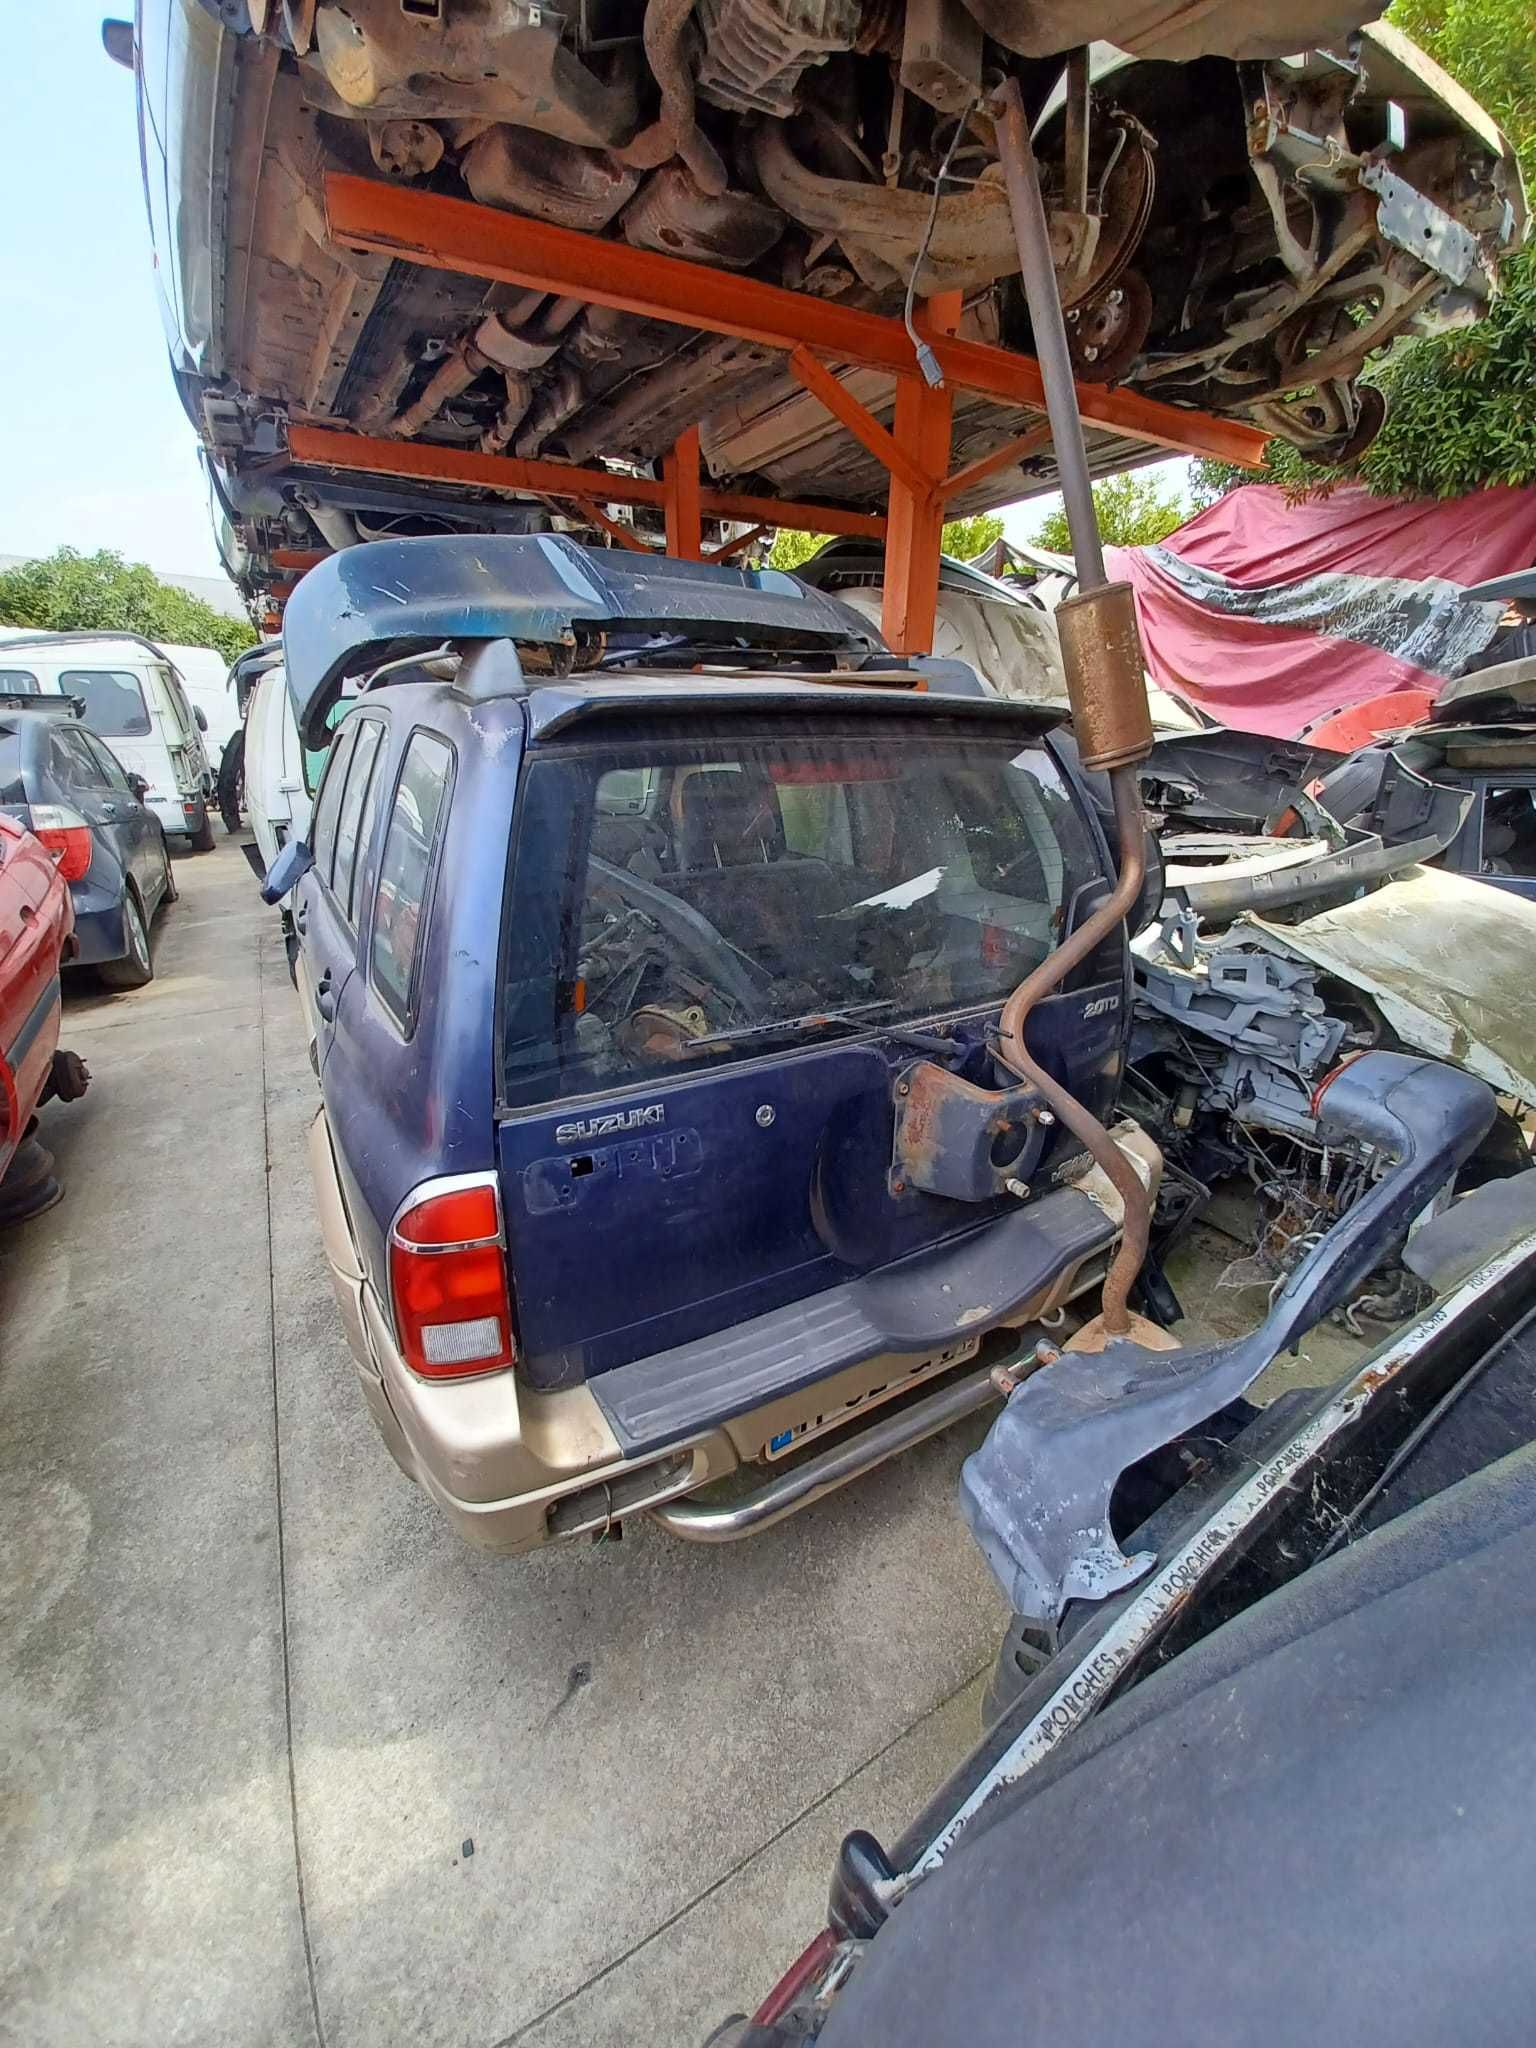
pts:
pixel 1101 652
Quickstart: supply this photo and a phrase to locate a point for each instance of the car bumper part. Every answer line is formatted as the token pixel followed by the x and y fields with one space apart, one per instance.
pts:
pixel 513 1467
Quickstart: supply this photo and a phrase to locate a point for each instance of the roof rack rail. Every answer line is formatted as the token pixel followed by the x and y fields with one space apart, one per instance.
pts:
pixel 57 703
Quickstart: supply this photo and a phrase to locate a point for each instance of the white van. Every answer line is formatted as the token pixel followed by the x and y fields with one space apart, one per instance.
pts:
pixel 205 677
pixel 134 699
pixel 278 796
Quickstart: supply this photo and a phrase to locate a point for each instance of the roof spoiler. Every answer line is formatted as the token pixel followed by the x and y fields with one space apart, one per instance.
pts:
pixel 392 598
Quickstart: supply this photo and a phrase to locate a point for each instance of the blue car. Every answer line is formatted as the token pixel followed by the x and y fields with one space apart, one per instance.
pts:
pixel 57 777
pixel 652 927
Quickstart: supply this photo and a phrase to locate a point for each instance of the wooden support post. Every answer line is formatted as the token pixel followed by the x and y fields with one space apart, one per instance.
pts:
pixel 684 510
pixel 915 519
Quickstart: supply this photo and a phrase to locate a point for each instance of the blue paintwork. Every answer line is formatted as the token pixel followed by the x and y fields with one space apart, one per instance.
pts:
pixel 534 588
pixel 677 1231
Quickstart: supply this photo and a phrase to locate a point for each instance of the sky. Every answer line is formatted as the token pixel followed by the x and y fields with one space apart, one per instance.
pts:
pixel 95 450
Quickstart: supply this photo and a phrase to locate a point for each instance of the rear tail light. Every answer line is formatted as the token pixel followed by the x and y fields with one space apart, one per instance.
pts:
pixel 67 837
pixel 448 1279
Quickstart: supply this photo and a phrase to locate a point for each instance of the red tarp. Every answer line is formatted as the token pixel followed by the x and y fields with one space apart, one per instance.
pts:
pixel 1269 615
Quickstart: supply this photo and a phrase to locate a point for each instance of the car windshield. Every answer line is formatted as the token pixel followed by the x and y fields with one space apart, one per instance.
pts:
pixel 674 906
pixel 114 702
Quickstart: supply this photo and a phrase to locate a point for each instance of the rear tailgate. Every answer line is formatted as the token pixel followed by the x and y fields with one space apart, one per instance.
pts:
pixel 718 948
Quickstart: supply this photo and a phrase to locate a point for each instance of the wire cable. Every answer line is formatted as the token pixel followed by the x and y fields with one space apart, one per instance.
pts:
pixel 927 361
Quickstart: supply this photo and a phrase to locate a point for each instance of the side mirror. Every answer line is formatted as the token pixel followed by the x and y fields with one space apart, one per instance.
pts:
pixel 201 716
pixel 139 787
pixel 117 41
pixel 289 869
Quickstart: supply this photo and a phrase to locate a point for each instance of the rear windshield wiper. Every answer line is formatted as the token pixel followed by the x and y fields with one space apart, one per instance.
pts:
pixel 813 1020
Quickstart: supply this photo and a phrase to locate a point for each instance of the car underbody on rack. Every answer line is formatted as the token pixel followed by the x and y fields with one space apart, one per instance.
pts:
pixel 1243 203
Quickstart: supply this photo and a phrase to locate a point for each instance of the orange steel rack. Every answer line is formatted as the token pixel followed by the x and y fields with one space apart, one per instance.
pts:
pixel 815 334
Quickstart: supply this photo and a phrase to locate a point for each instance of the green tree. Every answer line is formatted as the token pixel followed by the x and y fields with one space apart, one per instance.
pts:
pixel 962 538
pixel 1134 512
pixel 965 539
pixel 69 592
pixel 1462 405
pixel 791 547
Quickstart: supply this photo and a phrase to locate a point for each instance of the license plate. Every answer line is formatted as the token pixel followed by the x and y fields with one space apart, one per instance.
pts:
pixel 799 1433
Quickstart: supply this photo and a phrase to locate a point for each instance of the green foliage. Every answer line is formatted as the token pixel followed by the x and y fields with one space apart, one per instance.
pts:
pixel 73 593
pixel 1134 512
pixel 791 548
pixel 1461 406
pixel 963 538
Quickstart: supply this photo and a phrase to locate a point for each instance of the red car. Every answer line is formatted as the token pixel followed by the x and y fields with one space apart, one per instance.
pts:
pixel 37 935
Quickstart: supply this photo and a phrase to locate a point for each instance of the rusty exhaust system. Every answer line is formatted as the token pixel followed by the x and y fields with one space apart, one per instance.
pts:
pixel 1101 652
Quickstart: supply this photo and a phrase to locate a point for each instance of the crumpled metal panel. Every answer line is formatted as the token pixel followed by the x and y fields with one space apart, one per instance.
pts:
pixel 1448 960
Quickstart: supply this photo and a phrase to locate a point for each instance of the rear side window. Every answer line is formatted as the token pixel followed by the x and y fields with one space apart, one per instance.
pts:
pixel 114 701
pixel 678 906
pixel 73 762
pixel 109 768
pixel 322 841
pixel 406 869
pixel 365 751
pixel 19 682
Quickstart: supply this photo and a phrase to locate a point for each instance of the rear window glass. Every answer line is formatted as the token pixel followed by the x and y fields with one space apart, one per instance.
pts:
pixel 114 702
pixel 19 682
pixel 677 906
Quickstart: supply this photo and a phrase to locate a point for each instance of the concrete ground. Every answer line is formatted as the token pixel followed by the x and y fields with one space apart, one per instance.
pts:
pixel 286 1763
pixel 257 1699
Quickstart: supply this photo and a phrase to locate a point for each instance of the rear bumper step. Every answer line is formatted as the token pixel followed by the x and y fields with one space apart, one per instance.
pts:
pixel 994 1276
pixel 787 1491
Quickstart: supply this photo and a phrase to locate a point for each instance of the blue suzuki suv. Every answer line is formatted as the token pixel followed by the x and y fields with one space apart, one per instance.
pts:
pixel 653 929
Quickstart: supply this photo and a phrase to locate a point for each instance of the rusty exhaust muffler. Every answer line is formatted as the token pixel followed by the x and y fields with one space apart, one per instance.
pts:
pixel 1101 652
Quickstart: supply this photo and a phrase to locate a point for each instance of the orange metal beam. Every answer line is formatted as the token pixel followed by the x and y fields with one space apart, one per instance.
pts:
pixel 298 560
pixel 614 528
pixel 804 518
pixel 330 449
pixel 732 548
pixel 1005 457
pixel 859 421
pixel 279 592
pixel 482 241
pixel 684 514
pixel 914 529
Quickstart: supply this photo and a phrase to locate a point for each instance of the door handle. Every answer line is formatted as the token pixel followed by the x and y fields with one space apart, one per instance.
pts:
pixel 325 997
pixel 110 809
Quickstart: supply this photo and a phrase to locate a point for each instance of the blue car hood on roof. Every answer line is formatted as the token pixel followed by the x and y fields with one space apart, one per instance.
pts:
pixel 538 587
